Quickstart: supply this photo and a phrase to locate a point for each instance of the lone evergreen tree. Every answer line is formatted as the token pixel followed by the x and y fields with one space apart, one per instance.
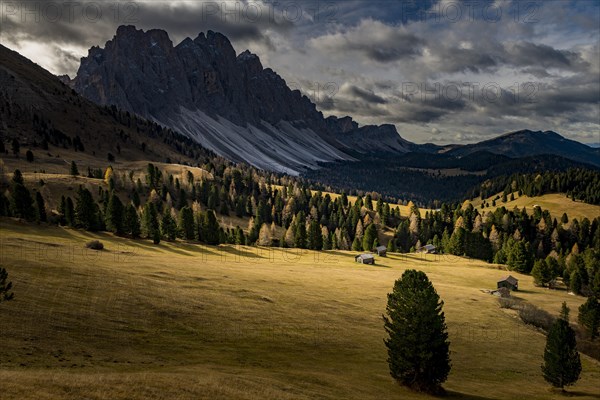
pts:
pixel 418 346
pixel 73 170
pixel 562 365
pixel 5 287
pixel 589 316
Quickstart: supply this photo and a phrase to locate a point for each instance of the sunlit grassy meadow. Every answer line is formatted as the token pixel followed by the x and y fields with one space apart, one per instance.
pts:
pixel 184 321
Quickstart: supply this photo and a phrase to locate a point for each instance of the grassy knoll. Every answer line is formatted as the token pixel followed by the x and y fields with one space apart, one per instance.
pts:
pixel 555 203
pixel 181 321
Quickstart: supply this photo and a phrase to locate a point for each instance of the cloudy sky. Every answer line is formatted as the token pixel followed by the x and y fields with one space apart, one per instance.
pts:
pixel 442 71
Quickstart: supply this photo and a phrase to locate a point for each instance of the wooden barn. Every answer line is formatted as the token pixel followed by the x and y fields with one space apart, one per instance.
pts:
pixel 380 251
pixel 365 259
pixel 428 249
pixel 509 282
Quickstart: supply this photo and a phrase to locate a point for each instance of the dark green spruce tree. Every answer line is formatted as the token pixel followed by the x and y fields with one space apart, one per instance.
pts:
pixel 186 223
pixel 210 228
pixel 132 222
pixel 151 224
pixel 85 209
pixel 315 237
pixel 40 208
pixel 418 346
pixel 562 365
pixel 21 203
pixel 168 226
pixel 300 237
pixel 369 237
pixel 589 316
pixel 115 215
pixel 73 169
pixel 69 212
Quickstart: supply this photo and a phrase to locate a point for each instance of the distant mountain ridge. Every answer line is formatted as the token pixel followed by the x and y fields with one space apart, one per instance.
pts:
pixel 233 106
pixel 525 143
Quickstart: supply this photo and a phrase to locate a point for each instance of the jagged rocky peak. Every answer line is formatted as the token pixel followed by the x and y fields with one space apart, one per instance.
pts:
pixel 341 124
pixel 250 62
pixel 129 38
pixel 204 89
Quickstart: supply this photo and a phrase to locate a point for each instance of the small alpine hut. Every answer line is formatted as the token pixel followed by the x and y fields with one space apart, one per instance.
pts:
pixel 509 282
pixel 365 259
pixel 381 251
pixel 428 249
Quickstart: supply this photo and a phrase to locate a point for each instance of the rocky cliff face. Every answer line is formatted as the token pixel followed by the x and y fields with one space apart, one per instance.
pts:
pixel 229 103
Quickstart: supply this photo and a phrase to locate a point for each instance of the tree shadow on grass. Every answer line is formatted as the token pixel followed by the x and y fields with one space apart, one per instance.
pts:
pixel 340 254
pixel 379 265
pixel 451 394
pixel 577 393
pixel 525 291
pixel 239 252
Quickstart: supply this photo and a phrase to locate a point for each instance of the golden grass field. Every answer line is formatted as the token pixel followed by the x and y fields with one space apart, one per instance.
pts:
pixel 183 321
pixel 555 203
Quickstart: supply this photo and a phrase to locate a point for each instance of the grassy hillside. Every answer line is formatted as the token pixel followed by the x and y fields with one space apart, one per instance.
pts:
pixel 555 203
pixel 181 321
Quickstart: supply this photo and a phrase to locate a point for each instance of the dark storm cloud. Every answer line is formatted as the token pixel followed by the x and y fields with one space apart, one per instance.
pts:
pixel 540 55
pixel 373 41
pixel 366 95
pixel 453 59
pixel 92 23
pixel 368 50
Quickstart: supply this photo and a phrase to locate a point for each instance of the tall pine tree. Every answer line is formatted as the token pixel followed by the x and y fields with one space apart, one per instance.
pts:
pixel 369 237
pixel 418 346
pixel 40 208
pixel 589 316
pixel 186 223
pixel 114 216
pixel 21 203
pixel 132 222
pixel 562 365
pixel 85 210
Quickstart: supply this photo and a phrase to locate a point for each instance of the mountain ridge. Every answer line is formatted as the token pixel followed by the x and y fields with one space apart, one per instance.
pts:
pixel 232 105
pixel 524 143
pixel 227 102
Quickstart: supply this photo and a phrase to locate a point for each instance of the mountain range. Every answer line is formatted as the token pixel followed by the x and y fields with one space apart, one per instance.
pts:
pixel 245 113
pixel 235 107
